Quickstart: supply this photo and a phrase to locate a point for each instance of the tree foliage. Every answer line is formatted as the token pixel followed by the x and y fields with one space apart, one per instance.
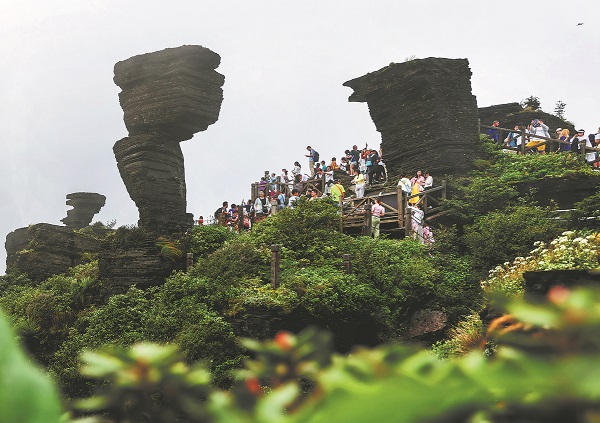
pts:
pixel 532 102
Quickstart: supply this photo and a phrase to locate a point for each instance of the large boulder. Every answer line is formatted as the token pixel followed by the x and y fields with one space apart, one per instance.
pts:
pixel 426 113
pixel 43 250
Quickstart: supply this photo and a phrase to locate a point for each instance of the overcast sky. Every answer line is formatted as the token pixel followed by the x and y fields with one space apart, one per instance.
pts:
pixel 284 64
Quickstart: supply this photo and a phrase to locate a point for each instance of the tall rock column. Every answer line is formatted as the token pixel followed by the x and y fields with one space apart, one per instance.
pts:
pixel 425 112
pixel 166 97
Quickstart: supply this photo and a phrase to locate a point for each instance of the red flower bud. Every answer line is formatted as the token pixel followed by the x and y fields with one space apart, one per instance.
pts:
pixel 284 340
pixel 253 386
pixel 558 294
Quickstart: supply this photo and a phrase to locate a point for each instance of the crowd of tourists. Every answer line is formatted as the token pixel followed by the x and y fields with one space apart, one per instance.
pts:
pixel 365 166
pixel 567 142
pixel 419 183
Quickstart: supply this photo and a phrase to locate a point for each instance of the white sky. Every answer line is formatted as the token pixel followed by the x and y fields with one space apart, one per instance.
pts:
pixel 284 64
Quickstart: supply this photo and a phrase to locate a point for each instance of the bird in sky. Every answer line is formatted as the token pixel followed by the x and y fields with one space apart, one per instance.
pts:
pixel 580 23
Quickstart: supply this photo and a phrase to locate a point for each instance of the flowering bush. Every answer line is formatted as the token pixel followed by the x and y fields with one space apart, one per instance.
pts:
pixel 571 250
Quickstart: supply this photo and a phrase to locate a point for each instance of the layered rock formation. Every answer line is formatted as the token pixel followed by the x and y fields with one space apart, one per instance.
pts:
pixel 167 96
pixel 43 250
pixel 140 264
pixel 425 112
pixel 85 206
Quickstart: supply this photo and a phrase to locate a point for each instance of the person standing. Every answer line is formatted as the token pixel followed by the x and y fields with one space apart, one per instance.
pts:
pixel 313 157
pixel 359 182
pixel 538 127
pixel 328 180
pixel 377 211
pixel 576 141
pixel 221 214
pixel 280 200
pixel 428 181
pixel 371 162
pixel 293 198
pixel 337 191
pixel 564 136
pixel 272 184
pixel 513 139
pixel 416 186
pixel 416 222
pixel 285 177
pixel 297 170
pixel 262 206
pixel 493 131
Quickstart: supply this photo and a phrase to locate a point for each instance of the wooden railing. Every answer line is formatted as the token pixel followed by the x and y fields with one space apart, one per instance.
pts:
pixel 526 137
pixel 356 212
pixel 317 184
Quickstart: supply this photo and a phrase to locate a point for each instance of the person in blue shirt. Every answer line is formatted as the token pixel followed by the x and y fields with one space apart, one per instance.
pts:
pixel 493 132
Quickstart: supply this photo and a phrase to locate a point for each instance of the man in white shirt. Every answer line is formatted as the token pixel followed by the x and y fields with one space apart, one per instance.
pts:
pixel 293 198
pixel 428 181
pixel 580 139
pixel 416 222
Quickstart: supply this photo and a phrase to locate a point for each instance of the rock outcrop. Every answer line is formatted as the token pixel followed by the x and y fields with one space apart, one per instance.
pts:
pixel 539 283
pixel 140 264
pixel 167 96
pixel 85 206
pixel 43 250
pixel 561 192
pixel 426 113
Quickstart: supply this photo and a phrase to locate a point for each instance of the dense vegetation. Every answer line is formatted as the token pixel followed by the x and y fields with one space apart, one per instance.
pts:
pixel 227 294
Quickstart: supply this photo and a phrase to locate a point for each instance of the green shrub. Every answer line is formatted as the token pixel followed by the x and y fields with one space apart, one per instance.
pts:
pixel 465 337
pixel 236 260
pixel 571 250
pixel 309 232
pixel 26 394
pixel 13 278
pixel 477 196
pixel 402 271
pixel 587 213
pixel 206 239
pixel 457 289
pixel 501 235
pixel 529 167
pixel 128 236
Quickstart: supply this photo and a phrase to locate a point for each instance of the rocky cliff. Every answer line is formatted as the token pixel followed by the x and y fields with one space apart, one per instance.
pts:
pixel 166 97
pixel 43 250
pixel 426 114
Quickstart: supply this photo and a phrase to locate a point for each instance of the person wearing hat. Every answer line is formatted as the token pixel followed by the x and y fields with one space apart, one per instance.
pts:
pixel 580 140
pixel 590 155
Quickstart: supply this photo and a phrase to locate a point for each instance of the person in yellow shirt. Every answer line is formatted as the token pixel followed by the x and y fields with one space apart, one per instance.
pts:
pixel 337 191
pixel 334 165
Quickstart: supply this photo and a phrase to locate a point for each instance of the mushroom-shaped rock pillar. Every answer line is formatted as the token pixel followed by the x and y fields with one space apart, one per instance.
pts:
pixel 85 206
pixel 166 97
